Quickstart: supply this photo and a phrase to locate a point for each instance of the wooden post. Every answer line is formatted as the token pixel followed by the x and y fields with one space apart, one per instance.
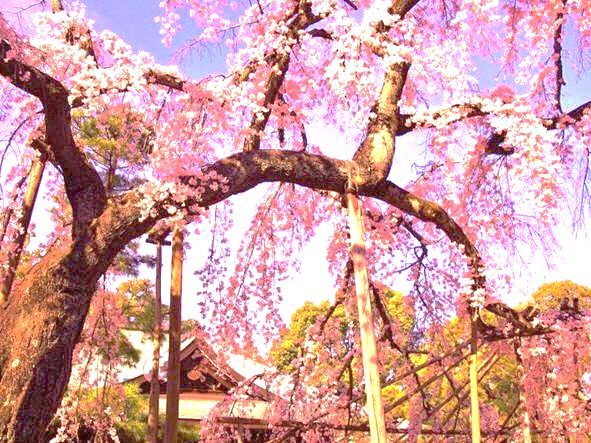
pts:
pixel 375 408
pixel 474 406
pixel 156 335
pixel 56 6
pixel 522 400
pixel 526 421
pixel 174 342
pixel 28 204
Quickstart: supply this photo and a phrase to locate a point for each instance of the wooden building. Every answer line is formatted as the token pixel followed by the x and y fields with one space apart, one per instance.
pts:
pixel 205 382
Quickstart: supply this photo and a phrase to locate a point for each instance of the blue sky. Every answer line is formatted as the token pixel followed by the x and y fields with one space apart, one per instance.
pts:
pixel 134 21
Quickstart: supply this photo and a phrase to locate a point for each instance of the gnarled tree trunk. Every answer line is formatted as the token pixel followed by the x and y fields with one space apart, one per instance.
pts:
pixel 39 328
pixel 42 321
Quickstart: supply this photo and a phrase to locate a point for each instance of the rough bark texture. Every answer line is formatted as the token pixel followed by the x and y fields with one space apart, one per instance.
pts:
pixel 42 321
pixel 38 330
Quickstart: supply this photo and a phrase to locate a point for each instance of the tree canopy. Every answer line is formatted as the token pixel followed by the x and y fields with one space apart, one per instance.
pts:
pixel 318 99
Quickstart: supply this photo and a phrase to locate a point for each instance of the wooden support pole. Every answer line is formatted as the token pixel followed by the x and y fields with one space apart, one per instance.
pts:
pixel 374 406
pixel 522 399
pixel 56 6
pixel 156 334
pixel 174 342
pixel 526 422
pixel 28 204
pixel 474 406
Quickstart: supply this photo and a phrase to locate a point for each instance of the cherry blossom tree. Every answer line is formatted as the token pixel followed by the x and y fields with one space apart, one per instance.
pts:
pixel 496 161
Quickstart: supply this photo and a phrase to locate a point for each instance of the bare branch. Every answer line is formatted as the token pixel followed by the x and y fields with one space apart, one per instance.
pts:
pixel 557 56
pixel 303 18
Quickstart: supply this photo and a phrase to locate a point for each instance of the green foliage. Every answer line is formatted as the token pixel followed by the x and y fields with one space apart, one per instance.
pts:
pixel 291 340
pixel 550 295
pixel 134 426
pixel 136 300
pixel 501 386
pixel 188 433
pixel 127 351
pixel 398 310
pixel 114 143
pixel 289 345
pixel 128 261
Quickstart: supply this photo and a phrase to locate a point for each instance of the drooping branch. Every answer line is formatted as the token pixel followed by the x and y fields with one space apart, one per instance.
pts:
pixel 83 185
pixel 246 170
pixel 278 66
pixel 339 295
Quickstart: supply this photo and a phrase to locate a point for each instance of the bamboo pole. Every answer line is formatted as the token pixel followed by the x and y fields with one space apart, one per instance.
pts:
pixel 14 256
pixel 156 336
pixel 56 6
pixel 474 406
pixel 174 342
pixel 526 421
pixel 375 408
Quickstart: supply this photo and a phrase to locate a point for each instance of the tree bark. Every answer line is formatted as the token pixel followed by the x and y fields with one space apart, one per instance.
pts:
pixel 41 322
pixel 39 328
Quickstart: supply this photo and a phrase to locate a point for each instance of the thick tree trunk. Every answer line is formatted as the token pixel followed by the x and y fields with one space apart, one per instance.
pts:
pixel 42 321
pixel 39 328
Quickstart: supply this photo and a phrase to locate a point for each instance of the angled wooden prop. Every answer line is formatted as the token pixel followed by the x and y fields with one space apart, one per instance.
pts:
pixel 35 176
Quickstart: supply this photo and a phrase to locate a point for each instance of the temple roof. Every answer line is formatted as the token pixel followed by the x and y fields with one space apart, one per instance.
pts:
pixel 202 368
